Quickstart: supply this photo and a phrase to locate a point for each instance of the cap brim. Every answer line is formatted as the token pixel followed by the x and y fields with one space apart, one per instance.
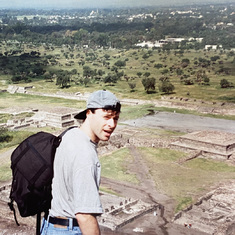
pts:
pixel 81 115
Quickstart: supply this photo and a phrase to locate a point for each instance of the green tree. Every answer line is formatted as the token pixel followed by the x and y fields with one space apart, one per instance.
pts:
pixel 139 74
pixel 102 39
pixel 214 58
pixel 166 87
pixel 81 36
pixel 106 56
pixel 184 64
pixel 132 86
pixel 149 84
pixel 146 74
pixel 120 63
pixel 179 71
pixel 145 56
pixel 74 71
pixel 87 71
pixel 164 71
pixel 100 72
pixel 48 77
pixel 206 80
pixel 38 70
pixel 63 78
pixel 111 78
pixel 158 66
pixel 185 60
pixel 86 81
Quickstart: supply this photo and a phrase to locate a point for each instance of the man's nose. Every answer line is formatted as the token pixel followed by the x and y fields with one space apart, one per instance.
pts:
pixel 111 122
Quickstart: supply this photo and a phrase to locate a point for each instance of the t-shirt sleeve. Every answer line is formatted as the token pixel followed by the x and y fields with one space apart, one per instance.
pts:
pixel 86 190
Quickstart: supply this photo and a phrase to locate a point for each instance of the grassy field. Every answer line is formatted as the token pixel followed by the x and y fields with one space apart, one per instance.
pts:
pixel 21 100
pixel 187 181
pixel 115 166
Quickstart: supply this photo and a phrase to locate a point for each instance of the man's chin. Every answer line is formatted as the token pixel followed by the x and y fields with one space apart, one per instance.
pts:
pixel 105 137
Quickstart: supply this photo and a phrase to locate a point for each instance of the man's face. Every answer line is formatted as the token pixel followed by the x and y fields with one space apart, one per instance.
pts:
pixel 102 124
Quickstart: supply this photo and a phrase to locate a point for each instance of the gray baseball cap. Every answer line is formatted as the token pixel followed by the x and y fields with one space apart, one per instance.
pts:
pixel 101 99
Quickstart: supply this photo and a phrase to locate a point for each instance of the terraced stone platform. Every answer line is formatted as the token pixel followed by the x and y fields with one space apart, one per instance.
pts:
pixel 210 143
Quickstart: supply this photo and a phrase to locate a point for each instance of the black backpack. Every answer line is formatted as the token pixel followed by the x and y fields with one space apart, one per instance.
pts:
pixel 32 170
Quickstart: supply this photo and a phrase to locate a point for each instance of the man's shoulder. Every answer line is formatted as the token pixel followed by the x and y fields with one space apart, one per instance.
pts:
pixel 75 134
pixel 77 138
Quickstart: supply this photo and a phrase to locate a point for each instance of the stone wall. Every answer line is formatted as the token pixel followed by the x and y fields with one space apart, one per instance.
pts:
pixel 126 211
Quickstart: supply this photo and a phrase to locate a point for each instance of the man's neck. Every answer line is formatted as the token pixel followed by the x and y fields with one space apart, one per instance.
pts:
pixel 85 127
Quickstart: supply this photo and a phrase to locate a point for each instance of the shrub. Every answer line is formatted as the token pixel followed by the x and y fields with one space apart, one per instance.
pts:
pixel 224 83
pixel 4 136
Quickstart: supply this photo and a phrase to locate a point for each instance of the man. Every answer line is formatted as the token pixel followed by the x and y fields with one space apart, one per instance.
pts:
pixel 75 186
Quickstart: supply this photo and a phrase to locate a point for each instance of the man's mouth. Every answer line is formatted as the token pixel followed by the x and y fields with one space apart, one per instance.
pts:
pixel 107 132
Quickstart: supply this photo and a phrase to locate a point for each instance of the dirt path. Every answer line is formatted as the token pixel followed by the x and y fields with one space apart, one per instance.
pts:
pixel 148 185
pixel 5 156
pixel 146 191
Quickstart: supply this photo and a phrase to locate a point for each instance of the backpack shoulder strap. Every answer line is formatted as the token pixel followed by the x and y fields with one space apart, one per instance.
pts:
pixel 12 208
pixel 63 133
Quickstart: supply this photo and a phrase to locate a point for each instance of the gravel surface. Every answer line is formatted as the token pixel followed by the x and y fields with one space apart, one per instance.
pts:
pixel 183 122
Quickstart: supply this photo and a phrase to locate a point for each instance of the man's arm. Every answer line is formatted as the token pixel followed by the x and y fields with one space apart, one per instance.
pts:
pixel 88 224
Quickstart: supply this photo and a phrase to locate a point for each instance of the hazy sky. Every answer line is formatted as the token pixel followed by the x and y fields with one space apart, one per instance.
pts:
pixel 93 3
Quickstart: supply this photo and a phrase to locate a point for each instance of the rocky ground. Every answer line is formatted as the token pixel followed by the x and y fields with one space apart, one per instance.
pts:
pixel 214 212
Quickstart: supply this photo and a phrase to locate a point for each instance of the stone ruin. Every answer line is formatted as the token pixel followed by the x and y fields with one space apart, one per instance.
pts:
pixel 18 89
pixel 214 144
pixel 120 211
pixel 56 117
pixel 213 213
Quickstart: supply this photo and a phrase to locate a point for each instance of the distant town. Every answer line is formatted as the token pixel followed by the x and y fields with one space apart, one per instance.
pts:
pixel 207 26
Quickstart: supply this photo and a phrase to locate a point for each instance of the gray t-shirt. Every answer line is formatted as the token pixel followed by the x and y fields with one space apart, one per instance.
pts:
pixel 75 186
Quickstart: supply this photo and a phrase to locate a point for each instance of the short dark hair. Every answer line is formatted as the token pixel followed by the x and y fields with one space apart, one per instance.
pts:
pixel 116 108
pixel 92 110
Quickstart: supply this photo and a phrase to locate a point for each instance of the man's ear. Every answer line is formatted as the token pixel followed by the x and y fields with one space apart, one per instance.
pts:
pixel 88 113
